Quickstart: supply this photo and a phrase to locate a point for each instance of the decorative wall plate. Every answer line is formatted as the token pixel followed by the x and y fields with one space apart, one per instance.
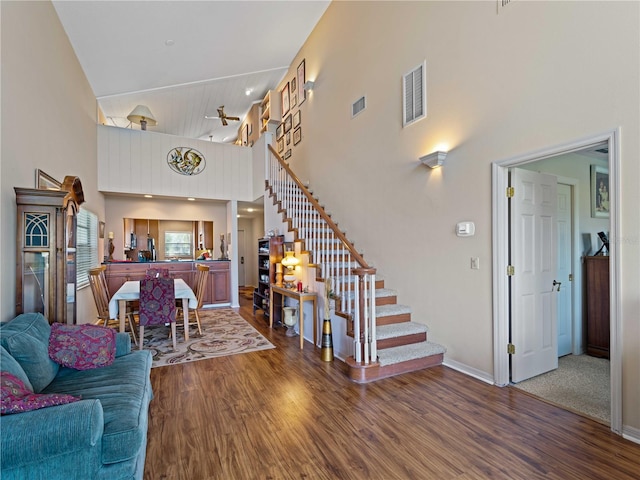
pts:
pixel 186 161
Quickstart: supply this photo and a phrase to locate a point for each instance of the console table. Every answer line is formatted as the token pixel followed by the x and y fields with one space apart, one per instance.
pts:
pixel 300 297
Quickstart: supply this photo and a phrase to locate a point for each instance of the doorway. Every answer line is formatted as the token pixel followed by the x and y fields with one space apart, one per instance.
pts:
pixel 500 171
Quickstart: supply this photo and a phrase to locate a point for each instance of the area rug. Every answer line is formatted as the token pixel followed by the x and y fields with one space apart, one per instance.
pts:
pixel 224 332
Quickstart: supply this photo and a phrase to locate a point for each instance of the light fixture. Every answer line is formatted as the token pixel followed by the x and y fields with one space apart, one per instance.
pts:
pixel 289 262
pixel 191 199
pixel 308 85
pixel 148 196
pixel 143 116
pixel 434 160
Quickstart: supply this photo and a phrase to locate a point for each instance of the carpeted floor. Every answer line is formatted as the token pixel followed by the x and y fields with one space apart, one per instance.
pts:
pixel 224 332
pixel 580 383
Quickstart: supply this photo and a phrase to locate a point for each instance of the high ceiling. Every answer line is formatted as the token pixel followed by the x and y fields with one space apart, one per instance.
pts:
pixel 184 59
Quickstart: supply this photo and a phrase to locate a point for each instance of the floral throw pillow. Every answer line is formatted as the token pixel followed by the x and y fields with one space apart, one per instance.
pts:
pixel 17 398
pixel 82 347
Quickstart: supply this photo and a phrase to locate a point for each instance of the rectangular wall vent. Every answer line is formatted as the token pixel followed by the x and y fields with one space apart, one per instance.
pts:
pixel 414 95
pixel 358 106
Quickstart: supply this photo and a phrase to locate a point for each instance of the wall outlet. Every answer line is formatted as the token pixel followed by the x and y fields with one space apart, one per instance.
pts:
pixel 475 263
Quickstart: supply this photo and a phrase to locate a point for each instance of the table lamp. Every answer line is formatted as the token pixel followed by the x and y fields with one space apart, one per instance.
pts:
pixel 289 262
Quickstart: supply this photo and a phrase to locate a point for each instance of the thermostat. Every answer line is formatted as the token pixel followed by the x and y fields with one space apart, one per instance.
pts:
pixel 465 229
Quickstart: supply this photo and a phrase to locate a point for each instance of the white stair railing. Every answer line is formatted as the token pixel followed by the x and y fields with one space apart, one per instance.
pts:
pixel 353 280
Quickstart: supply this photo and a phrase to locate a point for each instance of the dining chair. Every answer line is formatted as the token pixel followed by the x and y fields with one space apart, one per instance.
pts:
pixel 202 276
pixel 157 272
pixel 98 282
pixel 157 305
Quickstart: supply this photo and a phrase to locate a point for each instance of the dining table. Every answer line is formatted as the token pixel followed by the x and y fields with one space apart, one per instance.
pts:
pixel 130 291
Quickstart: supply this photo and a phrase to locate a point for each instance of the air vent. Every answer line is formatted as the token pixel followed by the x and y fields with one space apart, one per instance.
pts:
pixel 414 95
pixel 358 106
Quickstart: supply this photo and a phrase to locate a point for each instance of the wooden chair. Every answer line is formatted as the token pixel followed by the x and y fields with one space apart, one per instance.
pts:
pixel 157 305
pixel 202 276
pixel 100 291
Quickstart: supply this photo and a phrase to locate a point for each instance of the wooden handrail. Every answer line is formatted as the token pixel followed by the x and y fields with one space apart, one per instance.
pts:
pixel 349 246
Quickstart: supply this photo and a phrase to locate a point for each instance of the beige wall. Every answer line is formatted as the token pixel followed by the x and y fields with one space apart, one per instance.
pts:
pixel 49 122
pixel 537 75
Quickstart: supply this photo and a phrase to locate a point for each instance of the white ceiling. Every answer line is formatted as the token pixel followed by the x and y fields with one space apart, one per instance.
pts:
pixel 183 59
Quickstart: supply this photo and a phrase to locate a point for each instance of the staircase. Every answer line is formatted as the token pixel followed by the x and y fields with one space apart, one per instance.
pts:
pixel 386 341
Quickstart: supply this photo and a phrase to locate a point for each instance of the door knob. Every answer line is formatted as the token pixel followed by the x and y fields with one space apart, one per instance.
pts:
pixel 558 284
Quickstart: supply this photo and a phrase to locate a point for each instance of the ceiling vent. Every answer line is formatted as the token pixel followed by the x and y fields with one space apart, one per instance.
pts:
pixel 358 106
pixel 414 95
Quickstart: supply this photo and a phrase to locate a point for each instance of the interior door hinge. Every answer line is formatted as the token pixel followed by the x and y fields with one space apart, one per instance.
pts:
pixel 571 277
pixel 510 192
pixel 511 270
pixel 511 349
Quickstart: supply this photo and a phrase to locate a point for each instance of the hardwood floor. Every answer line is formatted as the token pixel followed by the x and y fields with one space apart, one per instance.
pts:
pixel 285 414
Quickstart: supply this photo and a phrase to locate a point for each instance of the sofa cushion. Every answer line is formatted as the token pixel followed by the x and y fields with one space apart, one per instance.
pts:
pixel 26 339
pixel 124 390
pixel 17 398
pixel 82 347
pixel 9 364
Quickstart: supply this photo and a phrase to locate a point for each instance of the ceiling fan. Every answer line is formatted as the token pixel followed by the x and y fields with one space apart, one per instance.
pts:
pixel 223 116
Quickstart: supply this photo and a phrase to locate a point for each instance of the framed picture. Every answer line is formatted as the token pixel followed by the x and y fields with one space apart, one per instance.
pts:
pixel 301 79
pixel 296 119
pixel 287 154
pixel 245 135
pixel 293 84
pixel 287 124
pixel 280 130
pixel 46 182
pixel 297 136
pixel 288 137
pixel 284 99
pixel 281 145
pixel 101 230
pixel 599 192
pixel 294 100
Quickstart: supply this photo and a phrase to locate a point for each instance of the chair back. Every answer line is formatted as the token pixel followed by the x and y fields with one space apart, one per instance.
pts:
pixel 202 275
pixel 157 272
pixel 98 283
pixel 157 301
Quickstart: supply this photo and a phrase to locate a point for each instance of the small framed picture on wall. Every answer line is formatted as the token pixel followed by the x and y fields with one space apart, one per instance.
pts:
pixel 296 119
pixel 281 145
pixel 599 192
pixel 284 98
pixel 302 94
pixel 297 136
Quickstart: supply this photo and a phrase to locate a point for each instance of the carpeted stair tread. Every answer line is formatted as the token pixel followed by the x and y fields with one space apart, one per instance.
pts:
pixel 393 355
pixel 395 330
pixel 390 310
pixel 380 293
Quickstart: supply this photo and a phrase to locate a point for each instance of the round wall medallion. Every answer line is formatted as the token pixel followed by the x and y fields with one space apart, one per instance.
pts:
pixel 186 161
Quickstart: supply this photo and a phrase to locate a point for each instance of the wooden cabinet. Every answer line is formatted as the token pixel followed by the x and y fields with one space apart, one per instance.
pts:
pixel 46 250
pixel 270 252
pixel 596 276
pixel 270 112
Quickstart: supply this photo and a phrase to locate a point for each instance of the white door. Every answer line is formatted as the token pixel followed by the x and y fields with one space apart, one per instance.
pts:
pixel 565 293
pixel 533 250
pixel 241 258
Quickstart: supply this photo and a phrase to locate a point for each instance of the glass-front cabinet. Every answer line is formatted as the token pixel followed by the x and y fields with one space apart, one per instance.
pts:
pixel 46 250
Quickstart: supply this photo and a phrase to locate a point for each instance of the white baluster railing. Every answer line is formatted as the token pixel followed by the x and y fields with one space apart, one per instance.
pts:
pixel 353 280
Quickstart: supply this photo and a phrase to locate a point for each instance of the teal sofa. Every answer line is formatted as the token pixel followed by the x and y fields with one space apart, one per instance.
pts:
pixel 104 435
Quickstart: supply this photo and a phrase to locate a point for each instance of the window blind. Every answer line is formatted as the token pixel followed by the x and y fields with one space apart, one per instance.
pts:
pixel 86 246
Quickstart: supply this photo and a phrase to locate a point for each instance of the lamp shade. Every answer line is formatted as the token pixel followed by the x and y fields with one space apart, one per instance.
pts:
pixel 290 260
pixel 142 114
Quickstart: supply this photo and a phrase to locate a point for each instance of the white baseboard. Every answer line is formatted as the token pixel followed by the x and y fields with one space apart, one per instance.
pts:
pixel 467 370
pixel 631 433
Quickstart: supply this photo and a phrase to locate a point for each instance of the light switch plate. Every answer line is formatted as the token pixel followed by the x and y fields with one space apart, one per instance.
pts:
pixel 475 263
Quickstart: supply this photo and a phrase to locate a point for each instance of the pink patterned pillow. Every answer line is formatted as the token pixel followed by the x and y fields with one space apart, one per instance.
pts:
pixel 16 398
pixel 82 347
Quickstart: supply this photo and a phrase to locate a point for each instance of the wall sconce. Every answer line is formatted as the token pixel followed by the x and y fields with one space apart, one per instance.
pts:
pixel 289 262
pixel 434 160
pixel 308 85
pixel 143 116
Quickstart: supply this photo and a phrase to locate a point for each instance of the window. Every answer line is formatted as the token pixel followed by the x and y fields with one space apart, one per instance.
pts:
pixel 177 245
pixel 86 246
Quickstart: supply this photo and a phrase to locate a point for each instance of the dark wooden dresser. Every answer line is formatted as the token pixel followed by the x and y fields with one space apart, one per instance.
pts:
pixel 596 270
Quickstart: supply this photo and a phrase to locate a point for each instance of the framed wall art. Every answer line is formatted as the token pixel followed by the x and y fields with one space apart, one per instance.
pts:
pixel 287 124
pixel 293 84
pixel 599 192
pixel 281 145
pixel 280 130
pixel 297 136
pixel 296 119
pixel 284 99
pixel 300 74
pixel 288 137
pixel 294 100
pixel 287 154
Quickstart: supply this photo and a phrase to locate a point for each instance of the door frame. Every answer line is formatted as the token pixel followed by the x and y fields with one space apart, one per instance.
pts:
pixel 500 242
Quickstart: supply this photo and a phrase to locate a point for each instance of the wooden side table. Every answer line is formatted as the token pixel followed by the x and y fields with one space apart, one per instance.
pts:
pixel 301 297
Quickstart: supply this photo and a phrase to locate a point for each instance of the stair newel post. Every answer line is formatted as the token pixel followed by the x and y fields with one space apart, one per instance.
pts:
pixel 357 343
pixel 372 316
pixel 362 284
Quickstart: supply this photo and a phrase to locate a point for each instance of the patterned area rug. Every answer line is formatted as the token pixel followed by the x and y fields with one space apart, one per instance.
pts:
pixel 224 332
